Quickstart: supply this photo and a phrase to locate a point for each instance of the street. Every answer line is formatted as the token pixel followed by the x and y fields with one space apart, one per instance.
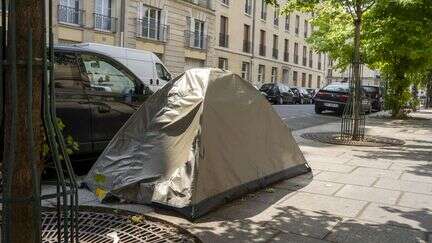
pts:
pixel 303 116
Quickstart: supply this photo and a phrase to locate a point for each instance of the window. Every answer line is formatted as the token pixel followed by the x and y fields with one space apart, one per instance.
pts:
pixel 287 22
pixel 276 16
pixel 310 81
pixel 162 73
pixel 69 12
pixel 275 46
pixel 198 34
pixel 246 39
pixel 107 76
pixel 66 72
pixel 261 73
pixel 263 10
pixel 248 7
pixel 304 56
pixel 225 2
pixel 310 58
pixel 306 26
pixel 223 35
pixel 319 61
pixel 296 53
pixel 150 23
pixel 262 47
pixel 303 80
pixel 286 50
pixel 245 70
pixel 295 78
pixel 297 24
pixel 274 74
pixel 103 20
pixel 319 82
pixel 223 63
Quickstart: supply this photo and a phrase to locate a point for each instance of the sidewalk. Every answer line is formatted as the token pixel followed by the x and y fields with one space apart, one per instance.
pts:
pixel 354 194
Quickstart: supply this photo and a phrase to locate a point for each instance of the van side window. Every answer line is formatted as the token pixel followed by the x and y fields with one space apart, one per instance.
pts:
pixel 105 75
pixel 66 71
pixel 162 72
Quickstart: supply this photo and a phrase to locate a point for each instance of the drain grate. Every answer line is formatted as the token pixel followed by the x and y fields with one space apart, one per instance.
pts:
pixel 96 226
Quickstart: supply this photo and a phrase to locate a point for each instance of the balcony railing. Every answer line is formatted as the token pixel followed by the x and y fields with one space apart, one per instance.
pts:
pixel 319 66
pixel 202 3
pixel 262 50
pixel 149 28
pixel 296 31
pixel 275 53
pixel 296 57
pixel 276 21
pixel 310 62
pixel 223 40
pixel 105 23
pixel 287 26
pixel 247 46
pixel 196 40
pixel 70 15
pixel 263 15
pixel 304 61
pixel 286 56
pixel 248 9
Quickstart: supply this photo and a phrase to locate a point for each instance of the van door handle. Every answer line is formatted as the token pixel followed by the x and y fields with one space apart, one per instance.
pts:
pixel 157 81
pixel 151 81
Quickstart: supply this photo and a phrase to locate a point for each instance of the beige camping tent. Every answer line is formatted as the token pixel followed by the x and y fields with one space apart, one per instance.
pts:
pixel 205 138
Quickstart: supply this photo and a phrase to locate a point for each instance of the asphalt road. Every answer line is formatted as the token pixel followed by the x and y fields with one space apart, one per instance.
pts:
pixel 303 116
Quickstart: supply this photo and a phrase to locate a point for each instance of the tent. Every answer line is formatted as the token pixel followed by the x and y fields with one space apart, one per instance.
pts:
pixel 203 139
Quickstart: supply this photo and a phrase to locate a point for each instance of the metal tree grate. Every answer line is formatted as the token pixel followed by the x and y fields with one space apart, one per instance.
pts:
pixel 95 227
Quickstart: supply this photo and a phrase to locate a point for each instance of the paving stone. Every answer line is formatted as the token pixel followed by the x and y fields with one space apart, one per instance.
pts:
pixel 406 186
pixel 324 204
pixel 270 195
pixel 319 187
pixel 325 166
pixel 379 164
pixel 363 171
pixel 360 180
pixel 414 166
pixel 408 176
pixel 327 159
pixel 356 231
pixel 293 238
pixel 415 200
pixel 420 219
pixel 304 222
pixel 369 194
pixel 215 231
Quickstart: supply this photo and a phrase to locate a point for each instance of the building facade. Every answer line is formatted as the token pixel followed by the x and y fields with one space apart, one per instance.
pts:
pixel 368 76
pixel 258 43
pixel 180 32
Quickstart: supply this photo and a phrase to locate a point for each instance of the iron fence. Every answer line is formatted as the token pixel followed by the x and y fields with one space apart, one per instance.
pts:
pixel 152 29
pixel 105 23
pixel 70 15
pixel 223 40
pixel 196 40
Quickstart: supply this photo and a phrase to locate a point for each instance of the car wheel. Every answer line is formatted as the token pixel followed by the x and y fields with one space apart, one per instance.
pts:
pixel 318 110
pixel 280 101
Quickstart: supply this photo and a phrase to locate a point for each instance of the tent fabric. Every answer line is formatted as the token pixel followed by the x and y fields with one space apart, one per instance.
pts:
pixel 203 139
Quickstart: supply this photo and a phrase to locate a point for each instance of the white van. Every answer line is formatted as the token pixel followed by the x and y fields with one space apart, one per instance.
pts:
pixel 144 64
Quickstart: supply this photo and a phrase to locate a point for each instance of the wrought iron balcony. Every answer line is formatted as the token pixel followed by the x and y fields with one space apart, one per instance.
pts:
pixel 319 65
pixel 248 9
pixel 310 62
pixel 196 40
pixel 304 61
pixel 262 50
pixel 223 40
pixel 247 46
pixel 275 53
pixel 296 57
pixel 263 15
pixel 276 21
pixel 70 15
pixel 202 3
pixel 286 56
pixel 149 28
pixel 105 23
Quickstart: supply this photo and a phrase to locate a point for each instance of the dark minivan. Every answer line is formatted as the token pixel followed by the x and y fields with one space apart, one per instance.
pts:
pixel 95 96
pixel 277 93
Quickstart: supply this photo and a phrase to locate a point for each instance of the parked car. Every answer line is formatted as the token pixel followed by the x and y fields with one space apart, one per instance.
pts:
pixel 277 93
pixel 303 96
pixel 144 64
pixel 375 93
pixel 95 96
pixel 335 96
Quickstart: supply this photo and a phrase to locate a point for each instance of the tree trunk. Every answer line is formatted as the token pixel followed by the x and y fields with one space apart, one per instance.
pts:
pixel 29 16
pixel 356 74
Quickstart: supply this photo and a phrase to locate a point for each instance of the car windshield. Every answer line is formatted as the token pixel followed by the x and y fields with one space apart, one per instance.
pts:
pixel 267 87
pixel 337 88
